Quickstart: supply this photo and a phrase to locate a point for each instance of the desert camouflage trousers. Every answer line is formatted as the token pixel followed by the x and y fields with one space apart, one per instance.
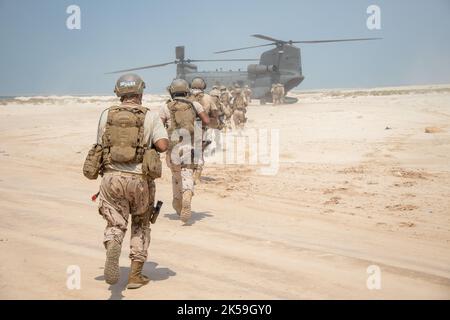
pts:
pixel 228 114
pixel 125 195
pixel 239 119
pixel 277 99
pixel 182 178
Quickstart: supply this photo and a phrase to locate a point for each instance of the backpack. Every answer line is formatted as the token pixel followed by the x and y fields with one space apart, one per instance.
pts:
pixel 197 97
pixel 239 102
pixel 183 116
pixel 123 139
pixel 225 97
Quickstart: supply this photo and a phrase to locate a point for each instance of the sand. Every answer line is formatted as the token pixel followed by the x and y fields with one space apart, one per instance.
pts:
pixel 360 183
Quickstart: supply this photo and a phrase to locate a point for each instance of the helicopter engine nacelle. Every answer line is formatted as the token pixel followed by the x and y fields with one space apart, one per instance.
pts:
pixel 257 69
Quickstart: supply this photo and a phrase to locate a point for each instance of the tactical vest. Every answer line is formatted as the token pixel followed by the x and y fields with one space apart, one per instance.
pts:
pixel 225 98
pixel 205 100
pixel 182 116
pixel 123 139
pixel 198 97
pixel 218 104
pixel 239 102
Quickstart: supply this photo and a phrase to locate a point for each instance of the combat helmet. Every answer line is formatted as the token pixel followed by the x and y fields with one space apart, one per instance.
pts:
pixel 198 83
pixel 179 86
pixel 223 88
pixel 215 93
pixel 129 83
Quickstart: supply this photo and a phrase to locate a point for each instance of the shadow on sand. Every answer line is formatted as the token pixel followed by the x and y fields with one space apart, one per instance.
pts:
pixel 196 216
pixel 150 270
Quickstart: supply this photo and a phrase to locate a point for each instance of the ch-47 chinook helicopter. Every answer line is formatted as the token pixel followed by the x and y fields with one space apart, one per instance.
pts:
pixel 281 64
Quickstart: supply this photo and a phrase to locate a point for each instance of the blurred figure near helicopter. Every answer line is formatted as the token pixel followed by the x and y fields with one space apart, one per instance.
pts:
pixel 239 106
pixel 248 93
pixel 278 93
pixel 225 99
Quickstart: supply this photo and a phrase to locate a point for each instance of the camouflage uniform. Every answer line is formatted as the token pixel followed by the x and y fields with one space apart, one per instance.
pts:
pixel 125 191
pixel 248 94
pixel 205 100
pixel 211 109
pixel 121 195
pixel 125 154
pixel 281 92
pixel 225 98
pixel 278 93
pixel 182 176
pixel 217 122
pixel 274 94
pixel 239 106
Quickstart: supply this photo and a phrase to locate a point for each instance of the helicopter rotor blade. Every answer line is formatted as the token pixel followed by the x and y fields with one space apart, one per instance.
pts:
pixel 261 36
pixel 335 40
pixel 144 67
pixel 277 42
pixel 212 60
pixel 244 48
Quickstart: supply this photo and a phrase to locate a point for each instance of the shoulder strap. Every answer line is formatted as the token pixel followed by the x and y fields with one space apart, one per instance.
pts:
pixel 111 111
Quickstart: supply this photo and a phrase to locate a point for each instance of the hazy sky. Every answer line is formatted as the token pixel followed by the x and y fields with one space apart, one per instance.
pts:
pixel 39 55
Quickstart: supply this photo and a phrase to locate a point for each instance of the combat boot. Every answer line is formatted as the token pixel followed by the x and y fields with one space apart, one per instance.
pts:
pixel 186 206
pixel 136 279
pixel 176 205
pixel 112 270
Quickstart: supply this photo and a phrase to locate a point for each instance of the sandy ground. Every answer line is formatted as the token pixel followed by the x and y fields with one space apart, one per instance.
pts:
pixel 359 184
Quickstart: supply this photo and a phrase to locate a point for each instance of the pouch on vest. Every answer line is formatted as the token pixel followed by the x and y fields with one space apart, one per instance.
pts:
pixel 93 163
pixel 152 165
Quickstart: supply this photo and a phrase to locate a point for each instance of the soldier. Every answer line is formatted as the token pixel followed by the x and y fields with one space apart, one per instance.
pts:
pixel 185 133
pixel 225 99
pixel 231 91
pixel 218 121
pixel 281 92
pixel 274 92
pixel 248 93
pixel 277 93
pixel 129 138
pixel 239 106
pixel 198 94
